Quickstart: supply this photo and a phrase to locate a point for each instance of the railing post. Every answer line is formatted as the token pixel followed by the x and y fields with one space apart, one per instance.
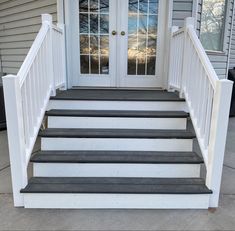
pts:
pixel 188 22
pixel 62 27
pixel 47 18
pixel 218 134
pixel 171 57
pixel 15 131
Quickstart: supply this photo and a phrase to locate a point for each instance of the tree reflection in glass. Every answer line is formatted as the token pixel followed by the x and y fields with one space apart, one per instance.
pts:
pixel 142 36
pixel 94 36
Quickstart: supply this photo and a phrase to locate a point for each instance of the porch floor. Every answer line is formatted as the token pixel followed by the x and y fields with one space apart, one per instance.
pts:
pixel 117 94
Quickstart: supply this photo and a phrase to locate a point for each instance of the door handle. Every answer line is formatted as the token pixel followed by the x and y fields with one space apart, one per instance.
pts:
pixel 114 32
pixel 123 33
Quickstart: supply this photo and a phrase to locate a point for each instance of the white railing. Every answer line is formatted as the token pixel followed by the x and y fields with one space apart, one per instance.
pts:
pixel 177 47
pixel 208 99
pixel 58 55
pixel 27 95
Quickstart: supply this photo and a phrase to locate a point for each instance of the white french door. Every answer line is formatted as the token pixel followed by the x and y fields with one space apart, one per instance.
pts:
pixel 118 42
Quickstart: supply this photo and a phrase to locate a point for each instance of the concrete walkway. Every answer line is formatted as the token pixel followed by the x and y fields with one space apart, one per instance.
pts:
pixel 25 219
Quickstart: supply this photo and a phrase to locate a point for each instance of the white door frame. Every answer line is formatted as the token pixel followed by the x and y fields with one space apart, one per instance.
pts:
pixel 72 38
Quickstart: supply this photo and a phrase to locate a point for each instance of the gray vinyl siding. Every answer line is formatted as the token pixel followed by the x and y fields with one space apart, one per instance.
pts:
pixel 232 49
pixel 220 60
pixel 181 10
pixel 20 21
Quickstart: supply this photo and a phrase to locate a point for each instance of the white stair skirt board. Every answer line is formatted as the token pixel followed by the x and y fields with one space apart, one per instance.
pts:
pixel 116 201
pixel 113 122
pixel 116 170
pixel 117 105
pixel 115 144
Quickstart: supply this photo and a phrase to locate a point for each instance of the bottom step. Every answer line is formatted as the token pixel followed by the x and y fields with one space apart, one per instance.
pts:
pixel 116 193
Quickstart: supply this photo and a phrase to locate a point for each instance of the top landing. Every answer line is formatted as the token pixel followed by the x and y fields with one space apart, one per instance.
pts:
pixel 117 94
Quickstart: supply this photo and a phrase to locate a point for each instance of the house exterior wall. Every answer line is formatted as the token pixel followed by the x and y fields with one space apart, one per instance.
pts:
pixel 181 10
pixel 220 61
pixel 20 21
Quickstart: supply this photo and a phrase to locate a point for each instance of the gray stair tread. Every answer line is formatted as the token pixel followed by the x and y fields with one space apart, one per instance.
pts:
pixel 138 157
pixel 117 94
pixel 107 113
pixel 116 185
pixel 117 133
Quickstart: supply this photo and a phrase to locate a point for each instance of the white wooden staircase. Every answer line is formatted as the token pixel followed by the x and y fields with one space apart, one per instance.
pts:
pixel 116 148
pixel 137 155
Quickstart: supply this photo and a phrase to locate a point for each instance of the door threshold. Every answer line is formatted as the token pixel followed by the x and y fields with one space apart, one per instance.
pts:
pixel 118 88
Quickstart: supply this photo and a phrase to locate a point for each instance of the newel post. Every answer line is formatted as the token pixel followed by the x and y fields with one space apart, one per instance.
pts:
pixel 171 71
pixel 15 132
pixel 64 61
pixel 218 134
pixel 188 22
pixel 47 19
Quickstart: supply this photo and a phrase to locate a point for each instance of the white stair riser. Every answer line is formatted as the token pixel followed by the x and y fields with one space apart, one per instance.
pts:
pixel 117 144
pixel 108 122
pixel 116 201
pixel 117 105
pixel 115 170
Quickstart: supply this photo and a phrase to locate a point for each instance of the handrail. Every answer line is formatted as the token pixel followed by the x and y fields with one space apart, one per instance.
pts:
pixel 27 95
pixel 208 99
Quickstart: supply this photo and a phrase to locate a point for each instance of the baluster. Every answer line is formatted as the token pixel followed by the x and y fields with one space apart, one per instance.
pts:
pixel 37 84
pixel 181 58
pixel 208 116
pixel 174 62
pixel 46 67
pixel 190 61
pixel 58 64
pixel 185 62
pixel 180 62
pixel 177 62
pixel 30 104
pixel 25 113
pixel 41 72
pixel 204 106
pixel 199 106
pixel 201 99
pixel 196 87
pixel 33 91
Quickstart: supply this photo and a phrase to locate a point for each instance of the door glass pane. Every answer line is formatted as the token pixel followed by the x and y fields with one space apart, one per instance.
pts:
pixel 84 27
pixel 104 6
pixel 142 37
pixel 94 36
pixel 83 6
pixel 84 44
pixel 104 65
pixel 84 63
pixel 94 5
pixel 94 64
pixel 104 45
pixel 104 24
